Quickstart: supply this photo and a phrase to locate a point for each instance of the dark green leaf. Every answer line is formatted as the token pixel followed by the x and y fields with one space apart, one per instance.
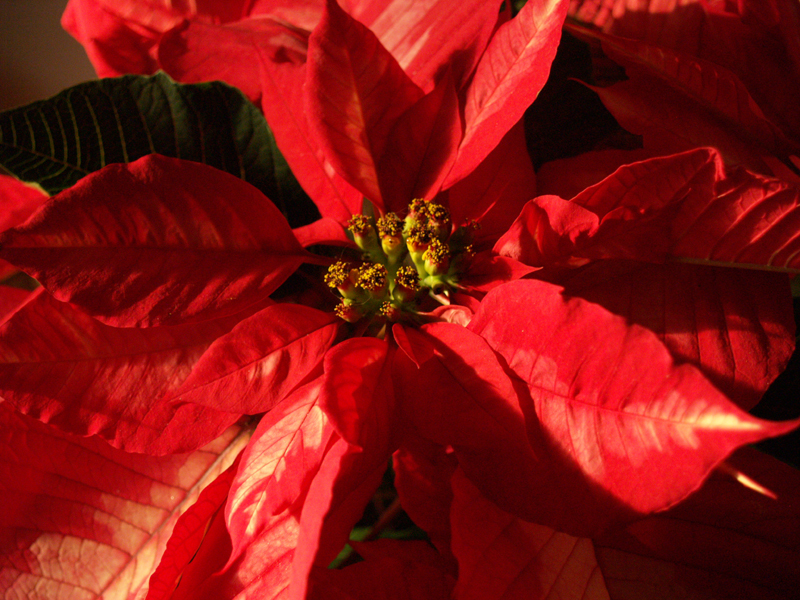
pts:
pixel 56 142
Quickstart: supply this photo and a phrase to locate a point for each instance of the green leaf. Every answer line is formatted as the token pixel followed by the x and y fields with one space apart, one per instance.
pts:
pixel 58 141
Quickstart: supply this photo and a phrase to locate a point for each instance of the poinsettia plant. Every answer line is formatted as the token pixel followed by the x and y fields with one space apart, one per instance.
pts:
pixel 331 335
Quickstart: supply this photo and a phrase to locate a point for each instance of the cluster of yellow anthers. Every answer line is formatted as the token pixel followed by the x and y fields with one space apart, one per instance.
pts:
pixel 403 260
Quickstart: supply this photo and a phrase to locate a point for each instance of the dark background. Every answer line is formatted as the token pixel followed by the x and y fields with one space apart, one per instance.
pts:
pixel 37 57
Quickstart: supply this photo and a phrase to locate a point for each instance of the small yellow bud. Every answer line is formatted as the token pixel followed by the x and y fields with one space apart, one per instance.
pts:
pixel 373 278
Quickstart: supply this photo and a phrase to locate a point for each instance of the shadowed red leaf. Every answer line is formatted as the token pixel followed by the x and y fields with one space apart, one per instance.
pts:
pixel 755 39
pixel 12 299
pixel 669 121
pixel 345 482
pixel 678 102
pixel 495 192
pixel 682 207
pixel 725 541
pixel 463 398
pixel 500 556
pixel 63 367
pixel 662 21
pixel 422 472
pixel 421 147
pixel 610 218
pixel 735 325
pixel 391 570
pixel 357 393
pixel 417 349
pixel 487 270
pixel 568 177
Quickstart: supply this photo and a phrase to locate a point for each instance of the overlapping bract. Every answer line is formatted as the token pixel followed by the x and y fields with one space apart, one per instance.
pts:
pixel 543 431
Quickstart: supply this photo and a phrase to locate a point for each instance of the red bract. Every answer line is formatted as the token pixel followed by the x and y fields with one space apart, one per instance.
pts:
pixel 120 37
pixel 158 220
pixel 65 368
pixel 684 206
pixel 545 425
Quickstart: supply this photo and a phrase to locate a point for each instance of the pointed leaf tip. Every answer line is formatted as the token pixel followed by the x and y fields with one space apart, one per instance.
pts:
pixel 508 78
